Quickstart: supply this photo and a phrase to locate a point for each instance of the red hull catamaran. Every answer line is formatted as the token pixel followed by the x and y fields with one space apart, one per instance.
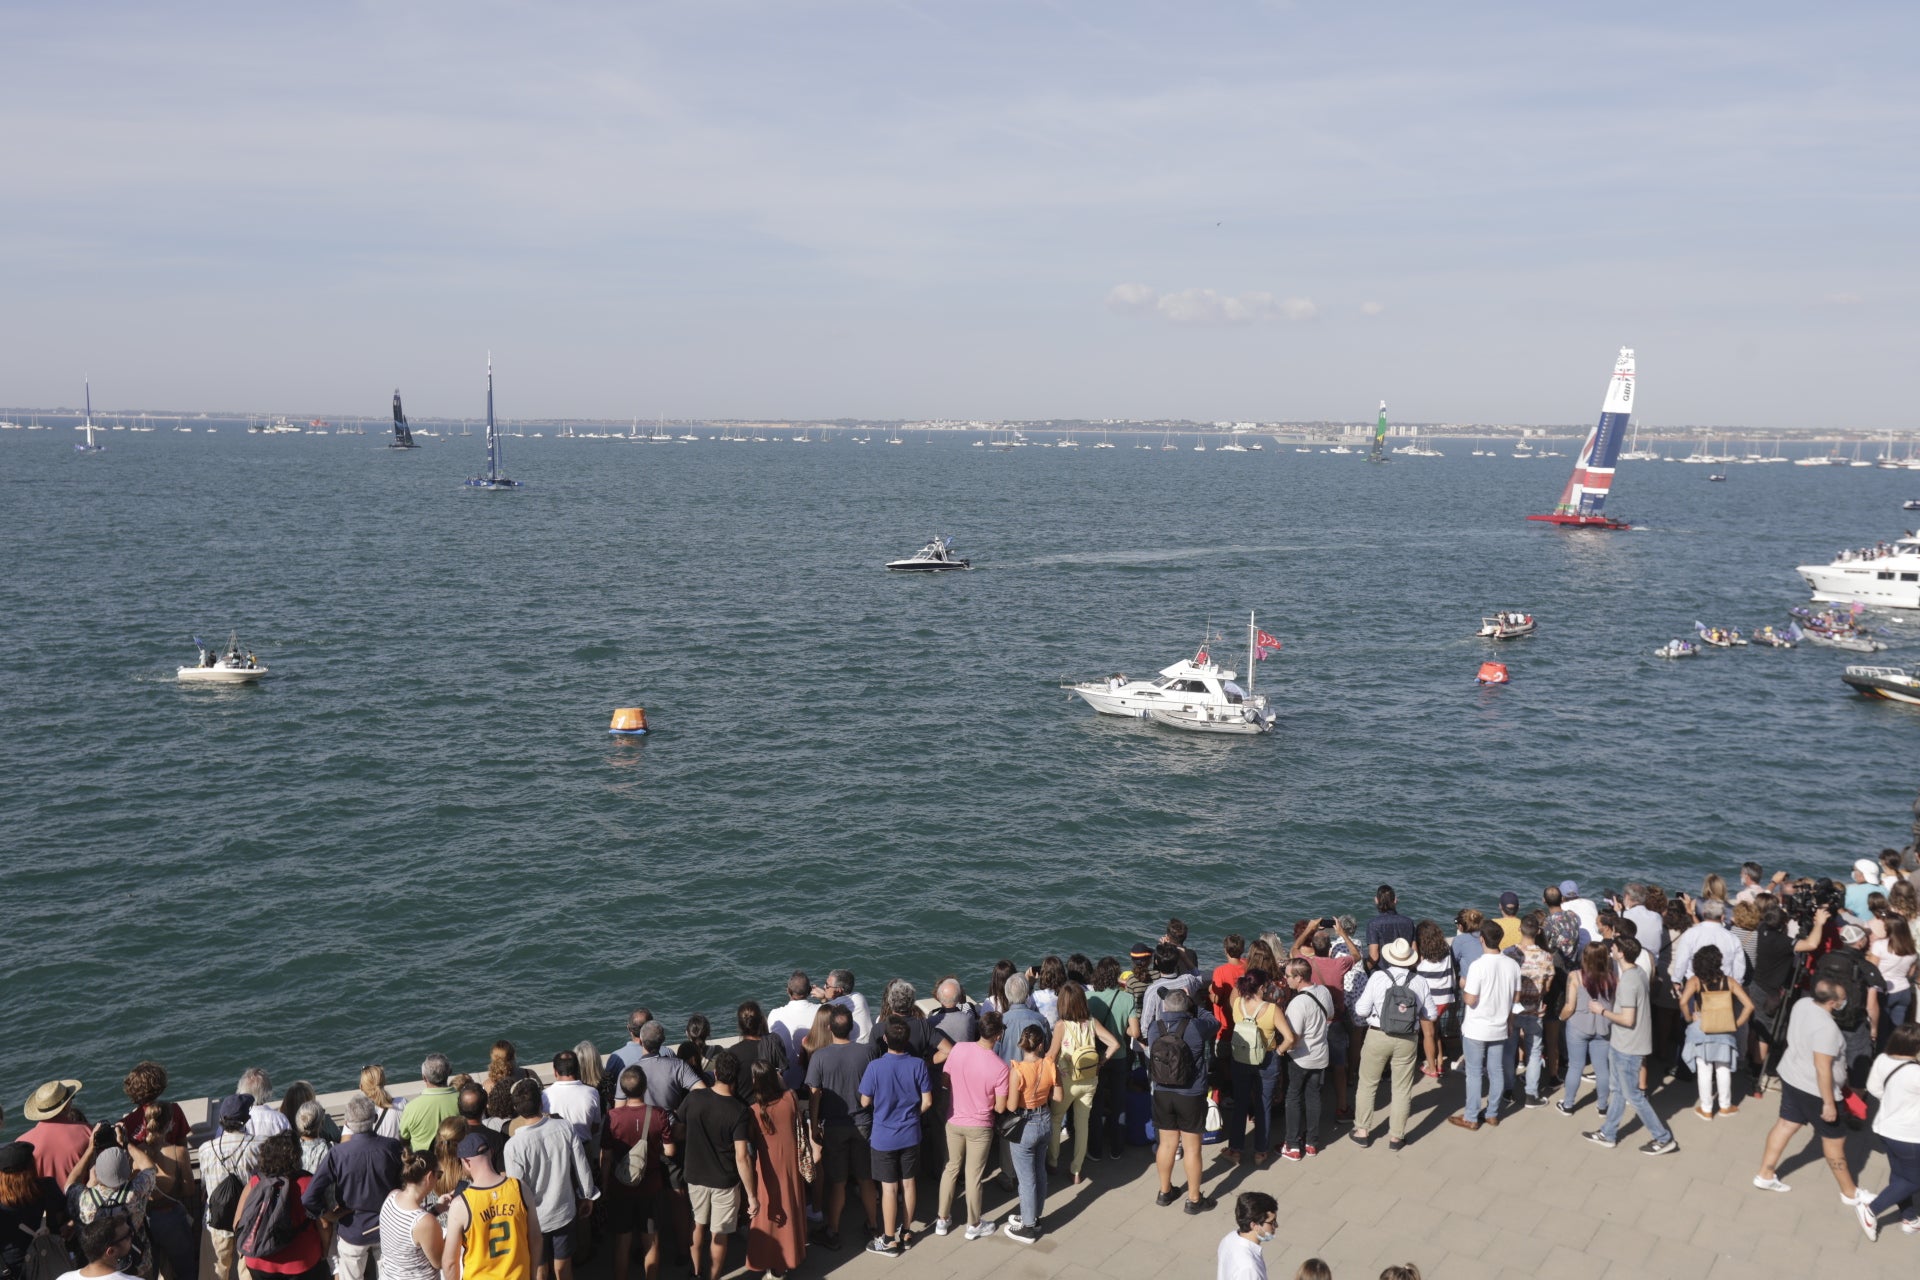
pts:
pixel 1583 503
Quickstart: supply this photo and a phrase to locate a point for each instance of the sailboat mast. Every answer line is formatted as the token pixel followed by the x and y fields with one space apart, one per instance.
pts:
pixel 89 386
pixel 493 435
pixel 1250 637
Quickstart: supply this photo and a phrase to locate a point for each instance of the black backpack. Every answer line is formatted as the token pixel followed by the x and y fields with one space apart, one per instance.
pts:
pixel 1845 968
pixel 271 1221
pixel 1170 1060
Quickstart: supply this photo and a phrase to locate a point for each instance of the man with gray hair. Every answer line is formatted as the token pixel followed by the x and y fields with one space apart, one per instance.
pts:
pixel 924 1042
pixel 839 990
pixel 957 1019
pixel 1709 932
pixel 1018 1018
pixel 356 1177
pixel 669 1078
pixel 629 1053
pixel 1649 929
pixel 266 1120
pixel 434 1103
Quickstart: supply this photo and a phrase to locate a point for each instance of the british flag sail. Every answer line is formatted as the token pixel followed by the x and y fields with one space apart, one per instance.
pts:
pixel 1583 503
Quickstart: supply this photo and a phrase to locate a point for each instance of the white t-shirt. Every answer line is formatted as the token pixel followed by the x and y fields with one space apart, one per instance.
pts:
pixel 121 1275
pixel 1308 1011
pixel 862 1017
pixel 789 1024
pixel 1811 1029
pixel 1239 1259
pixel 1588 914
pixel 1495 979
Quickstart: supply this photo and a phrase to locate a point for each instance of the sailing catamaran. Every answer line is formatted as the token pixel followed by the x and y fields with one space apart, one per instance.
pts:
pixel 1582 504
pixel 90 446
pixel 1379 451
pixel 402 434
pixel 495 477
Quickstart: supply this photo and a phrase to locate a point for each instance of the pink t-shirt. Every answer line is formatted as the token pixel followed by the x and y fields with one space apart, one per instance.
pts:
pixel 976 1073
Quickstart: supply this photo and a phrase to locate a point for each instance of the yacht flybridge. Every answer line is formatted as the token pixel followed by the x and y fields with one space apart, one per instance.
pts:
pixel 1196 694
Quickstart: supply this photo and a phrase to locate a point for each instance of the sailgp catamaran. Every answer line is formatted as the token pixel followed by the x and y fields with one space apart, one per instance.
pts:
pixel 495 477
pixel 89 446
pixel 1379 451
pixel 402 434
pixel 1583 502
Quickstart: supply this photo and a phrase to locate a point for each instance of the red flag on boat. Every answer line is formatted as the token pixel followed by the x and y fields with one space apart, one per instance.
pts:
pixel 1200 659
pixel 1265 641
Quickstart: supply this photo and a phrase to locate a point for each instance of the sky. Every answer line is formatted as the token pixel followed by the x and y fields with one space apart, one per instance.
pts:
pixel 964 209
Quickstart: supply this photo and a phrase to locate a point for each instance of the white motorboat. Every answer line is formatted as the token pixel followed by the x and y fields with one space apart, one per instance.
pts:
pixel 1507 624
pixel 1895 683
pixel 1195 693
pixel 231 667
pixel 1887 575
pixel 1677 649
pixel 935 557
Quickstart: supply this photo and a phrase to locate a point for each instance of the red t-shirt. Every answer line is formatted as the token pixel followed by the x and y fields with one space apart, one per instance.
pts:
pixel 1221 992
pixel 178 1128
pixel 624 1126
pixel 303 1255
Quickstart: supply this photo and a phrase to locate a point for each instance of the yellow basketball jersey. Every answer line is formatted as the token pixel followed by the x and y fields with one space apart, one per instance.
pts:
pixel 495 1246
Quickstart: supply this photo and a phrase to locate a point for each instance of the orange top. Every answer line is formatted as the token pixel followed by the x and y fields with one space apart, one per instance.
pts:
pixel 1032 1085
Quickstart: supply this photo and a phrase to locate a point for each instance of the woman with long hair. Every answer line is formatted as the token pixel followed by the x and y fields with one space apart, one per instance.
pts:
pixel 1033 1089
pixel 1903 901
pixel 1080 1048
pixel 373 1083
pixel 1587 1032
pixel 1113 1006
pixel 410 1240
pixel 777 1234
pixel 173 1211
pixel 503 1069
pixel 1260 955
pixel 1436 966
pixel 1893 954
pixel 997 986
pixel 27 1203
pixel 1713 888
pixel 1047 980
pixel 450 1175
pixel 303 1256
pixel 1258 1036
pixel 1712 1054
pixel 298 1095
pixel 1895 1080
pixel 693 1051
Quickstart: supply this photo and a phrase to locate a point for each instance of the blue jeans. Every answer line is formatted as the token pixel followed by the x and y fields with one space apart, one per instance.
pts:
pixel 1903 1179
pixel 1030 1164
pixel 1579 1049
pixel 1526 1026
pixel 1627 1090
pixel 1488 1057
pixel 1895 1008
pixel 1253 1100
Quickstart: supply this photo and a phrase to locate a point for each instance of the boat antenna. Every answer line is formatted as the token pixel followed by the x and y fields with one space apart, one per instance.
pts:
pixel 1249 653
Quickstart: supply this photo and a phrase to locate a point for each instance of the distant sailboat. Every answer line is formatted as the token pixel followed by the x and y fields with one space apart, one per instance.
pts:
pixel 1379 451
pixel 90 446
pixel 495 477
pixel 1582 504
pixel 402 434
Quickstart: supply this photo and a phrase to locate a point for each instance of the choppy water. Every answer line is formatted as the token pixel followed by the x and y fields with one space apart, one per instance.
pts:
pixel 419 835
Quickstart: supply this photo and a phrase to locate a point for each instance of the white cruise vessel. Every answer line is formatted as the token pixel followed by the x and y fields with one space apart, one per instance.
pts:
pixel 1885 576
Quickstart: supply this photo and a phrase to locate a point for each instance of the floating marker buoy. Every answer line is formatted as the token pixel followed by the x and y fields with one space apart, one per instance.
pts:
pixel 1492 673
pixel 631 721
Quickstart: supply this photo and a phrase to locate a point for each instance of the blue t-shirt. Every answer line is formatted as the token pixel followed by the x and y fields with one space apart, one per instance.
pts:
pixel 895 1082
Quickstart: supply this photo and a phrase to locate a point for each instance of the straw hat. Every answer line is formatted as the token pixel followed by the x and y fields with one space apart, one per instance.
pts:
pixel 50 1099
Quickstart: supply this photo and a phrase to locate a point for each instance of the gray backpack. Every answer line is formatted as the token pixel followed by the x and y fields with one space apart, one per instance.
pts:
pixel 1399 1006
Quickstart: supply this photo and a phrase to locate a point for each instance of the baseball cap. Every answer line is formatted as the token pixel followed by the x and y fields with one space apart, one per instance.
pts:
pixel 1852 933
pixel 236 1106
pixel 1510 901
pixel 473 1145
pixel 1869 870
pixel 113 1169
pixel 1568 889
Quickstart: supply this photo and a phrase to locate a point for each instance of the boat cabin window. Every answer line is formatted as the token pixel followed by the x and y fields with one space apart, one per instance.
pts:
pixel 1910 577
pixel 1884 576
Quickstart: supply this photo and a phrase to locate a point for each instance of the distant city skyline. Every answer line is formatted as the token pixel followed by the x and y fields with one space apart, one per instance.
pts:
pixel 1254 212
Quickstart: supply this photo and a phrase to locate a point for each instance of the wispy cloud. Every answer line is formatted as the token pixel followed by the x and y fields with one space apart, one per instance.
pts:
pixel 1207 306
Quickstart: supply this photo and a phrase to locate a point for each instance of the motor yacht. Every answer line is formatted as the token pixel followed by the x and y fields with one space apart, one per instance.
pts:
pixel 935 557
pixel 1887 575
pixel 1196 694
pixel 231 667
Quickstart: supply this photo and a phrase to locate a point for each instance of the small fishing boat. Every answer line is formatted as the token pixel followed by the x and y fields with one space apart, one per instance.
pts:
pixel 1196 694
pixel 1583 502
pixel 231 667
pixel 1896 684
pixel 1720 637
pixel 1773 639
pixel 936 557
pixel 1677 649
pixel 402 433
pixel 495 478
pixel 1507 624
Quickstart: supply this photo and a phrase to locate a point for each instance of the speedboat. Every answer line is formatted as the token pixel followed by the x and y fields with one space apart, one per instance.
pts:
pixel 932 558
pixel 1720 637
pixel 1887 574
pixel 231 667
pixel 1895 683
pixel 1677 649
pixel 1771 638
pixel 1195 693
pixel 1911 504
pixel 1848 641
pixel 1508 624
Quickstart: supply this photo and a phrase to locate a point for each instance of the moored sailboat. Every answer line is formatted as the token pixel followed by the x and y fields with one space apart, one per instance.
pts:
pixel 1583 502
pixel 496 476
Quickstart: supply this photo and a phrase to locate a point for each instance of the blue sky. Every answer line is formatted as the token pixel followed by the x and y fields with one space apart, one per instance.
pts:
pixel 964 209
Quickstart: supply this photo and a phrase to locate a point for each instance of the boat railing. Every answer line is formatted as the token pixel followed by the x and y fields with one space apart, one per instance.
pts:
pixel 1884 673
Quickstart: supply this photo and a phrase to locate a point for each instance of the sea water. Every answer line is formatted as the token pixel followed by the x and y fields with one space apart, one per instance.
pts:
pixel 417 833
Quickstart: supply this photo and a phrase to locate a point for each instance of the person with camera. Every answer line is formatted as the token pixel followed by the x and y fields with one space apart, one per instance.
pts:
pixel 105 1183
pixel 1810 1081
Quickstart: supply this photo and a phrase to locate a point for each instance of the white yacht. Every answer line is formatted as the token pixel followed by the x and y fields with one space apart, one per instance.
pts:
pixel 1195 693
pixel 1888 576
pixel 231 667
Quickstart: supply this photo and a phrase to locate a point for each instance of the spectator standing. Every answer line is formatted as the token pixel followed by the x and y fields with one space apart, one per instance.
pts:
pixel 1583 909
pixel 59 1136
pixel 1114 1008
pixel 1488 989
pixel 1390 1006
pixel 1019 1016
pixel 1528 1036
pixel 896 1088
pixel 1310 1015
pixel 1895 1081
pixel 1256 1219
pixel 550 1162
pixel 387 1109
pixel 1033 1091
pixel 790 1023
pixel 833 1077
pixel 1848 965
pixel 434 1103
pixel 667 1076
pixel 1630 1042
pixel 1260 1037
pixel 1225 975
pixel 1177 1041
pixel 28 1203
pixel 280 1176
pixel 231 1152
pixel 1046 980
pixel 1387 925
pixel 173 1211
pixel 1588 1028
pixel 721 1181
pixel 1811 1075
pixel 411 1243
pixel 636 1201
pixel 265 1119
pixel 492 1231
pixel 1080 1049
pixel 978 1081
pixel 1893 955
pixel 1509 920
pixel 1465 943
pixel 630 1053
pixel 777 1233
pixel 1717 1008
pixel 1436 966
pixel 358 1176
pixel 574 1101
pixel 839 990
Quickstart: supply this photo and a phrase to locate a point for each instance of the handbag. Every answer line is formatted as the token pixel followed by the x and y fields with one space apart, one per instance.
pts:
pixel 803 1144
pixel 1010 1125
pixel 1716 1012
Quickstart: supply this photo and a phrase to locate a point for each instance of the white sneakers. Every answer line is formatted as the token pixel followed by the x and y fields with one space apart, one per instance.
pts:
pixel 980 1230
pixel 1772 1184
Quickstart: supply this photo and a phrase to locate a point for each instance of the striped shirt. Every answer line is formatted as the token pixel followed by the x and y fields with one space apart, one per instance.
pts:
pixel 400 1255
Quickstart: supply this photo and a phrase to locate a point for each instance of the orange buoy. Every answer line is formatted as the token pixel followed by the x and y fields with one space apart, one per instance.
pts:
pixel 1492 673
pixel 629 720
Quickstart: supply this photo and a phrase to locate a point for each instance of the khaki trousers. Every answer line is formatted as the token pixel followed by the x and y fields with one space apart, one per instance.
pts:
pixel 968 1150
pixel 1383 1054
